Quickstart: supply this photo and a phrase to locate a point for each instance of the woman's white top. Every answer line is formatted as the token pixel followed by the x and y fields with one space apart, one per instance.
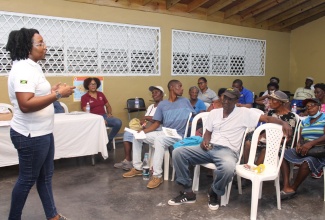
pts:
pixel 27 76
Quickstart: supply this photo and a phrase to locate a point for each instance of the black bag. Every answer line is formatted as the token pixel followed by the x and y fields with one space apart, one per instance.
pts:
pixel 317 151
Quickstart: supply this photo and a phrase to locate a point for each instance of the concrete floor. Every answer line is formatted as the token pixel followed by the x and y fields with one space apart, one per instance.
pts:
pixel 100 192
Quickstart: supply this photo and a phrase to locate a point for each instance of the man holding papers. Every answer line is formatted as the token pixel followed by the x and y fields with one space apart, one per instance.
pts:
pixel 172 113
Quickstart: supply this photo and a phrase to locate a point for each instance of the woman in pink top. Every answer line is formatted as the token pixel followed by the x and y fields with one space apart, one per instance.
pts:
pixel 99 105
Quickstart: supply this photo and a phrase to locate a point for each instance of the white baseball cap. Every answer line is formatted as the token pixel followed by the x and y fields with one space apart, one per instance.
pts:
pixel 156 87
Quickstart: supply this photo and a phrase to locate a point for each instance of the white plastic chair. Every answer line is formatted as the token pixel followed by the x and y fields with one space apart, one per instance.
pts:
pixel 294 140
pixel 167 155
pixel 7 106
pixel 272 162
pixel 65 107
pixel 196 177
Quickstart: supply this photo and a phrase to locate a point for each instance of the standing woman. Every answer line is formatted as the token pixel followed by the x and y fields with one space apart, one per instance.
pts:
pixel 32 125
pixel 99 105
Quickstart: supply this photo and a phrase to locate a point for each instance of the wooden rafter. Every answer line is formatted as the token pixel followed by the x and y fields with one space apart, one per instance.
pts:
pixel 294 11
pixel 298 18
pixel 240 7
pixel 259 8
pixel 278 15
pixel 306 21
pixel 278 9
pixel 171 3
pixel 218 6
pixel 145 2
pixel 195 4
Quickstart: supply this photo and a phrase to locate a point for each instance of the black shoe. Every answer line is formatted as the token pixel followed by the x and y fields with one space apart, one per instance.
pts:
pixel 213 200
pixel 184 197
pixel 109 145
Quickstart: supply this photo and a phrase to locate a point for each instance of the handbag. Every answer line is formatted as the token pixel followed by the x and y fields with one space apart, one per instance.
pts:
pixel 317 151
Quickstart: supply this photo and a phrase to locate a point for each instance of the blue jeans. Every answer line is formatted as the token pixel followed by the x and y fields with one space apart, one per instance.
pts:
pixel 224 158
pixel 115 124
pixel 35 165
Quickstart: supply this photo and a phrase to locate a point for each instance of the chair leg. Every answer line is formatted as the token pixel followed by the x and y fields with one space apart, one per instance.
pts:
pixel 229 190
pixel 240 191
pixel 254 201
pixel 114 144
pixel 166 165
pixel 277 189
pixel 291 171
pixel 260 192
pixel 324 182
pixel 196 178
pixel 223 199
pixel 173 174
pixel 93 160
pixel 151 153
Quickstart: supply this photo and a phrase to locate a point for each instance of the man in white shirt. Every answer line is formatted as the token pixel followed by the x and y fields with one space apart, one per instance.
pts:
pixel 221 144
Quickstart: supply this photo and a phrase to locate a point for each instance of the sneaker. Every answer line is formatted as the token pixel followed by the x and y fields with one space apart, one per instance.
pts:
pixel 184 197
pixel 132 173
pixel 122 164
pixel 213 200
pixel 317 176
pixel 155 182
pixel 61 217
pixel 128 166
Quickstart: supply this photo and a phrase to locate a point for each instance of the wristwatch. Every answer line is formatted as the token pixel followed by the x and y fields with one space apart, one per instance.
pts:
pixel 58 95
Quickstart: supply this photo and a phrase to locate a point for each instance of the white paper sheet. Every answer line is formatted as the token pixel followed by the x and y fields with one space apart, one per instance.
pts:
pixel 137 135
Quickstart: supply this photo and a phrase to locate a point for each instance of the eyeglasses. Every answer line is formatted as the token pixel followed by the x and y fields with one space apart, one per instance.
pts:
pixel 311 105
pixel 199 83
pixel 273 100
pixel 93 84
pixel 40 44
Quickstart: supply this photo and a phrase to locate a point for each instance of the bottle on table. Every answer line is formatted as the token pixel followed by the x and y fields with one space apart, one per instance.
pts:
pixel 136 102
pixel 145 167
pixel 88 108
pixel 294 108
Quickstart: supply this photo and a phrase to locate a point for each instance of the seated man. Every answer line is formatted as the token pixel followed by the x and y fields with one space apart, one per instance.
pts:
pixel 246 98
pixel 172 113
pixel 303 93
pixel 221 142
pixel 157 94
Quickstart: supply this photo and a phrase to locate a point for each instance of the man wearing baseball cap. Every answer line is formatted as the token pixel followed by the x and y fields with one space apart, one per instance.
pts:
pixel 172 113
pixel 157 94
pixel 221 144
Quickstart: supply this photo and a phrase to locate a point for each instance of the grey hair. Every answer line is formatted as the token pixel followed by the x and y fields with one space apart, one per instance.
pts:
pixel 193 87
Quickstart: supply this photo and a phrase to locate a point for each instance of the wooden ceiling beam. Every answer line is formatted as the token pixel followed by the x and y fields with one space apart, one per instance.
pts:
pixel 294 11
pixel 259 8
pixel 218 6
pixel 171 3
pixel 195 4
pixel 277 10
pixel 299 18
pixel 240 7
pixel 145 2
pixel 306 21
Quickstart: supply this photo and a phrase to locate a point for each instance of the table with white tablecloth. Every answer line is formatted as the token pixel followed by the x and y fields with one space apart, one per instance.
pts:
pixel 75 134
